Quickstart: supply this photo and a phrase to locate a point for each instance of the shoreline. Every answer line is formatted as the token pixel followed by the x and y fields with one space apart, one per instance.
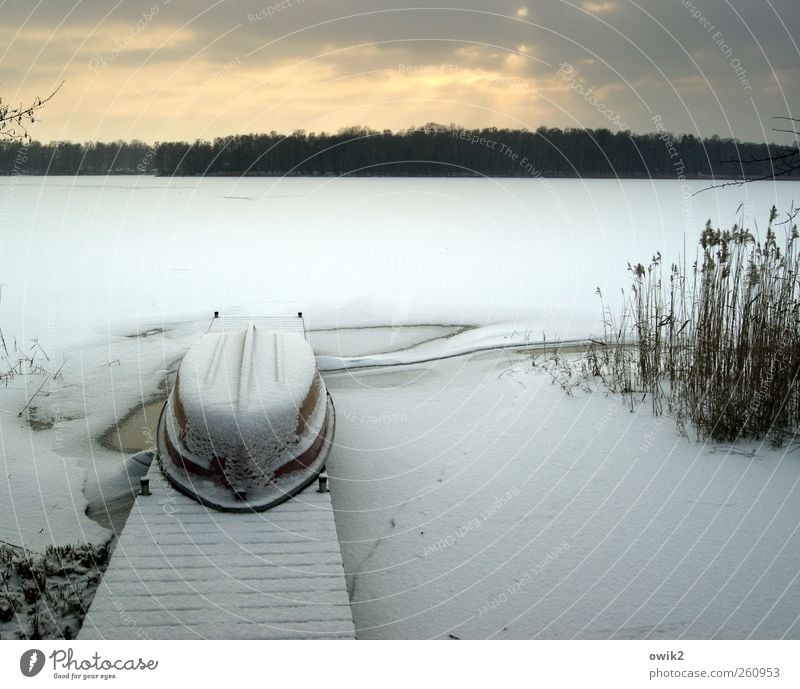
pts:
pixel 356 175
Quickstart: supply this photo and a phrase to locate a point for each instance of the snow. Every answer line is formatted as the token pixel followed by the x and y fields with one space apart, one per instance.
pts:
pixel 57 466
pixel 239 396
pixel 473 496
pixel 244 388
pixel 85 258
pixel 41 499
pixel 45 595
pixel 470 340
pixel 182 571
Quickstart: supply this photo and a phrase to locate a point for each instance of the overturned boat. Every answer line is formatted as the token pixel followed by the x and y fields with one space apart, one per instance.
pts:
pixel 249 422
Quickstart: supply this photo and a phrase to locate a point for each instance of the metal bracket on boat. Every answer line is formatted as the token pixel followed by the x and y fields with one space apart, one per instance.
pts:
pixel 323 483
pixel 144 484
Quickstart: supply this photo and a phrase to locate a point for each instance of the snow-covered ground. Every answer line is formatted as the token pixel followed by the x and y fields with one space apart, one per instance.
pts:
pixel 474 496
pixel 52 459
pixel 477 499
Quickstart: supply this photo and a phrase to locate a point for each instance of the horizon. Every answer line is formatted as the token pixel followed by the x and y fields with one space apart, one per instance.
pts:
pixel 342 131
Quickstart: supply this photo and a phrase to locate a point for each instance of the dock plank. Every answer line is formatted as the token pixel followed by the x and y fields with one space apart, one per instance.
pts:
pixel 183 571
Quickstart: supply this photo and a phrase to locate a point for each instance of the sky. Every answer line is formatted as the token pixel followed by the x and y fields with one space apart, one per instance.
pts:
pixel 159 70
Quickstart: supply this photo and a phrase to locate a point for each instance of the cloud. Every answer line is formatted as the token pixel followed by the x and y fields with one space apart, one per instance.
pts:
pixel 127 68
pixel 600 7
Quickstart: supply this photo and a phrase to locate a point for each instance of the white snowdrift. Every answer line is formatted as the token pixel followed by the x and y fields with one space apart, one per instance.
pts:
pixel 500 336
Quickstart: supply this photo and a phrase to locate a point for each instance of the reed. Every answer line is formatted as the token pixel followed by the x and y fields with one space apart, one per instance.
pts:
pixel 718 347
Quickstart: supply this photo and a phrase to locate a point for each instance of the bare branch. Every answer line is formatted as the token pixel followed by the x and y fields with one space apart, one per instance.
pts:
pixel 740 182
pixel 785 161
pixel 789 153
pixel 14 121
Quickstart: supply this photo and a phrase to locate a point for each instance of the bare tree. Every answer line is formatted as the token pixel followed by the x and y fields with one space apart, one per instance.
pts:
pixel 14 121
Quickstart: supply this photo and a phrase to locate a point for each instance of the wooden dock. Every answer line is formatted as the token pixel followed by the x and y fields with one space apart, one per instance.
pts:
pixel 183 571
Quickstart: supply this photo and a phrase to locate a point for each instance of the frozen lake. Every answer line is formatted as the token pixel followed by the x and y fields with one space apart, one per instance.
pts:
pixel 473 497
pixel 87 256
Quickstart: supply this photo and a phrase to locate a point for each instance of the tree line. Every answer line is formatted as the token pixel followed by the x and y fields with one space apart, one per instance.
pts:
pixel 433 150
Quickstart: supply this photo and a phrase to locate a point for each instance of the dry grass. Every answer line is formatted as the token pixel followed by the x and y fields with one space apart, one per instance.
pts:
pixel 719 347
pixel 46 595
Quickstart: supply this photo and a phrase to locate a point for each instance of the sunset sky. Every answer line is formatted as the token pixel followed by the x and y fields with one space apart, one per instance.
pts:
pixel 161 70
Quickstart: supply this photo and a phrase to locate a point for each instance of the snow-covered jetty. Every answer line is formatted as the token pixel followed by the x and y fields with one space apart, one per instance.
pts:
pixel 184 571
pixel 213 547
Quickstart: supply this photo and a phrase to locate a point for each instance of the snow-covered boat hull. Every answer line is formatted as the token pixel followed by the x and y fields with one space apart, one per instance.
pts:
pixel 249 422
